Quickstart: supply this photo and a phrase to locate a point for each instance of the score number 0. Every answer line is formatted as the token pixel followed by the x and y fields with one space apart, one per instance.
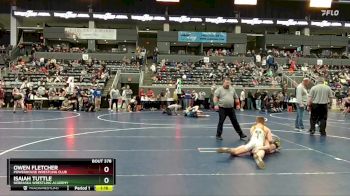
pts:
pixel 106 170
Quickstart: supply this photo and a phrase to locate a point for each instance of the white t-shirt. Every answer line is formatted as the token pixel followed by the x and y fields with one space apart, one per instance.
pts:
pixel 195 96
pixel 124 95
pixel 201 96
pixel 258 58
pixel 242 97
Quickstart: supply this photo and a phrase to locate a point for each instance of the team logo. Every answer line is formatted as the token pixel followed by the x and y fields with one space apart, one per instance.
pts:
pixel 330 12
pixel 25 188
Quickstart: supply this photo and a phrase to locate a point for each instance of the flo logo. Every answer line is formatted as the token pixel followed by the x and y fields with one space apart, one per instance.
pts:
pixel 330 12
pixel 25 188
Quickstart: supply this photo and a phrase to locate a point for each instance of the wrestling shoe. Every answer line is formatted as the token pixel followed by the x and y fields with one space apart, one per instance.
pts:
pixel 242 136
pixel 277 142
pixel 278 145
pixel 219 138
pixel 223 150
pixel 259 162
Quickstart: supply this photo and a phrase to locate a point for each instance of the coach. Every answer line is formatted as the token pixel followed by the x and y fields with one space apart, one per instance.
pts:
pixel 224 102
pixel 319 97
pixel 301 94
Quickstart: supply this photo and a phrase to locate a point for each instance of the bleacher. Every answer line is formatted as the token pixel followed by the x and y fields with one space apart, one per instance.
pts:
pixel 206 76
pixel 14 78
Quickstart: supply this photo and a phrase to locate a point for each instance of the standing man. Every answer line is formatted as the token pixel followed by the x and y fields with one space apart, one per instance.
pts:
pixel 258 100
pixel 97 96
pixel 319 97
pixel 242 99
pixel 114 96
pixel 201 99
pixel 250 101
pixel 301 95
pixel 225 98
pixel 128 94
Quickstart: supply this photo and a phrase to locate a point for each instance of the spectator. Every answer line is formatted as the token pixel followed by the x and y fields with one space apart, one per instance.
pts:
pixel 97 94
pixel 242 99
pixel 201 99
pixel 150 93
pixel 153 68
pixel 195 97
pixel 114 96
pixel 155 55
pixel 66 105
pixel 188 97
pixel 250 101
pixel 2 96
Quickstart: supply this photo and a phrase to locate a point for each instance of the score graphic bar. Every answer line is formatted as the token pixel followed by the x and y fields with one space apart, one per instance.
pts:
pixel 61 174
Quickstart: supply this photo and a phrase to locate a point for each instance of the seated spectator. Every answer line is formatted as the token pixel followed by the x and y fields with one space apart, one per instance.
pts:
pixel 153 68
pixel 66 105
pixel 88 105
pixel 150 93
pixel 132 105
pixel 41 91
pixel 142 93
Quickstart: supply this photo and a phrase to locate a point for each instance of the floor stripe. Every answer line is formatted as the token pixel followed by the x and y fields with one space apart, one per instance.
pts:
pixel 142 150
pixel 304 132
pixel 283 149
pixel 329 120
pixel 323 153
pixel 44 120
pixel 77 134
pixel 127 150
pixel 155 124
pixel 114 136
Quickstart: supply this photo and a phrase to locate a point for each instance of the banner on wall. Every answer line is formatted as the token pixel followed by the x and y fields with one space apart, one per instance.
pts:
pixel 202 37
pixel 85 33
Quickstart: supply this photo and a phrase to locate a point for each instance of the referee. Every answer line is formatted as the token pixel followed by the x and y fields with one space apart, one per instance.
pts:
pixel 319 97
pixel 224 102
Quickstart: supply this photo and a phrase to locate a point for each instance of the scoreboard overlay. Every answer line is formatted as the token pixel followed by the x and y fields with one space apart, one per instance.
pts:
pixel 95 174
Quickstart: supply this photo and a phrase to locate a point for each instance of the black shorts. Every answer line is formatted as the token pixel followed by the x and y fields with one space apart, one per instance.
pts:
pixel 114 101
pixel 17 97
pixel 347 105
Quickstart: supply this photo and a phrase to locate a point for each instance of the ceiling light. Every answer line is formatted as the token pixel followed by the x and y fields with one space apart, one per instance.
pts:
pixel 70 14
pixel 173 1
pixel 182 19
pixel 220 20
pixel 109 16
pixel 30 13
pixel 255 21
pixel 292 22
pixel 147 17
pixel 321 3
pixel 245 2
pixel 325 23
